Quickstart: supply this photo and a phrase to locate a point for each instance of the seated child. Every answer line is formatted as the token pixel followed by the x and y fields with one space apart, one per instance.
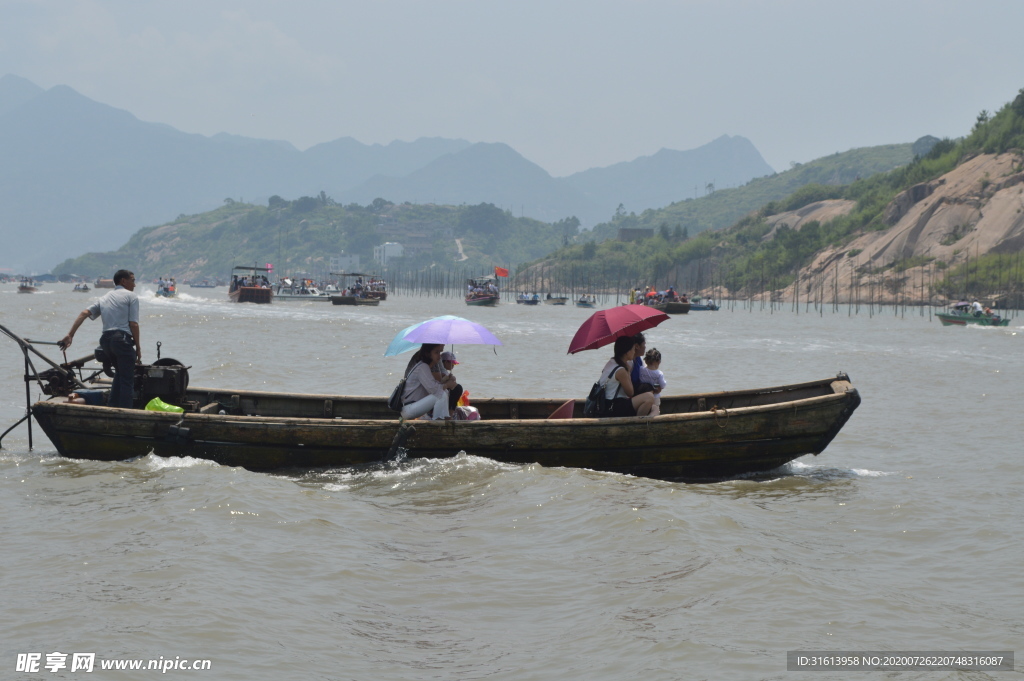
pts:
pixel 651 373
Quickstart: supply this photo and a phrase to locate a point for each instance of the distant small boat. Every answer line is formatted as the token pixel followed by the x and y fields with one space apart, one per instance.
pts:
pixel 483 292
pixel 81 288
pixel 167 290
pixel 556 300
pixel 201 284
pixel 586 301
pixel 288 290
pixel 961 315
pixel 104 283
pixel 27 286
pixel 697 304
pixel 524 299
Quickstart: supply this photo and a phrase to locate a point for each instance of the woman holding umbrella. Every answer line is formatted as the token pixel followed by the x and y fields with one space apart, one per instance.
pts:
pixel 618 386
pixel 423 391
pixel 619 324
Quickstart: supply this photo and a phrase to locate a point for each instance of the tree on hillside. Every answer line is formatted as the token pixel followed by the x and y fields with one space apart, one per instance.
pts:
pixel 484 220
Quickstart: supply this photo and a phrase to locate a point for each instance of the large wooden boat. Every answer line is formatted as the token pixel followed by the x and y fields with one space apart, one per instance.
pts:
pixel 249 293
pixel 701 436
pixel 483 292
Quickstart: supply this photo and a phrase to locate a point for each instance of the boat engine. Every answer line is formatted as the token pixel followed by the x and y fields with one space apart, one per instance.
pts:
pixel 165 378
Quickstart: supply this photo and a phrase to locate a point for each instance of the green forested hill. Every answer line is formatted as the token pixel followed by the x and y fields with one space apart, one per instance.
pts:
pixel 725 207
pixel 303 234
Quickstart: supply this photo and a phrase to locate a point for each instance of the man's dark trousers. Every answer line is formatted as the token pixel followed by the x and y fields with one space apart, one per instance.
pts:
pixel 121 349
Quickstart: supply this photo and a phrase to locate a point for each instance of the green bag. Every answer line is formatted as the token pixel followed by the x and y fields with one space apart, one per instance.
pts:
pixel 156 404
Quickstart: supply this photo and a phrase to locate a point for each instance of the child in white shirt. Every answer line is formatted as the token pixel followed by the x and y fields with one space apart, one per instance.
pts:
pixel 651 373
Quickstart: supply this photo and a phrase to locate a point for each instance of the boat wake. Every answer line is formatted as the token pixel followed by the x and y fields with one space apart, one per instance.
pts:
pixel 404 472
pixel 813 472
pixel 158 463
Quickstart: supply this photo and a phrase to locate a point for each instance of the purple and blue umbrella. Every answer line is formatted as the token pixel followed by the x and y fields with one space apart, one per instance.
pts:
pixel 449 330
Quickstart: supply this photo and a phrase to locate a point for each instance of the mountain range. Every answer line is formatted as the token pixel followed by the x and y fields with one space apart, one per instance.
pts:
pixel 79 175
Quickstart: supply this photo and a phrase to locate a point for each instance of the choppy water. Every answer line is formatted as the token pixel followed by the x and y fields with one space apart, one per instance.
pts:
pixel 903 535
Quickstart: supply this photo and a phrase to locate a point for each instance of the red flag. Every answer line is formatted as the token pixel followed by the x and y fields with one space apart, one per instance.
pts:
pixel 500 272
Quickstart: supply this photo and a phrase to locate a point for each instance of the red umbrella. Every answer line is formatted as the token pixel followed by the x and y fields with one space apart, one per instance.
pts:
pixel 605 326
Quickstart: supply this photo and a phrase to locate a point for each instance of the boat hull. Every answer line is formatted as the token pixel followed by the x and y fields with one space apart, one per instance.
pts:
pixel 556 301
pixel 699 437
pixel 483 301
pixel 352 300
pixel 672 308
pixel 529 301
pixel 302 297
pixel 252 294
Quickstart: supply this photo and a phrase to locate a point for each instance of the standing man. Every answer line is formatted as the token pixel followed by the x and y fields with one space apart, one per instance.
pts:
pixel 120 312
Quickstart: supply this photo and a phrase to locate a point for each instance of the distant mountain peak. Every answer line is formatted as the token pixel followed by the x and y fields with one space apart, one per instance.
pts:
pixel 15 91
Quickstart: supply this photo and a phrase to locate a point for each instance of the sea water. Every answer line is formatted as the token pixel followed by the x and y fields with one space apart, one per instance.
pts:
pixel 903 535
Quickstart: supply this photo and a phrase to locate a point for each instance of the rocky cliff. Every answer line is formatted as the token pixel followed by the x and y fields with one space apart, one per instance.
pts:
pixel 974 210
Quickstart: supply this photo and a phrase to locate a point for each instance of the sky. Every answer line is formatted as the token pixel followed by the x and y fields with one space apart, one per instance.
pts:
pixel 569 84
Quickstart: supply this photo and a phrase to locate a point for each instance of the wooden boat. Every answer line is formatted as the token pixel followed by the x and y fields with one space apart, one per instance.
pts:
pixel 250 294
pixel 528 300
pixel 698 305
pixel 81 288
pixel 374 288
pixel 961 315
pixel 354 300
pixel 27 286
pixel 586 301
pixel 703 436
pixel 486 292
pixel 555 300
pixel 104 283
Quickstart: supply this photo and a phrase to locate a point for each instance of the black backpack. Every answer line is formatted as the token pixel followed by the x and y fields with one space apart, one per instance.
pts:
pixel 597 405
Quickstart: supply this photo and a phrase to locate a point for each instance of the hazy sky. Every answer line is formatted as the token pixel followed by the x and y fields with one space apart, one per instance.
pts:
pixel 569 84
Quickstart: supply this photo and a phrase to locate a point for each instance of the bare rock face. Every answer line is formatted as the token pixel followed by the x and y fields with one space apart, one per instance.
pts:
pixel 819 211
pixel 975 209
pixel 902 204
